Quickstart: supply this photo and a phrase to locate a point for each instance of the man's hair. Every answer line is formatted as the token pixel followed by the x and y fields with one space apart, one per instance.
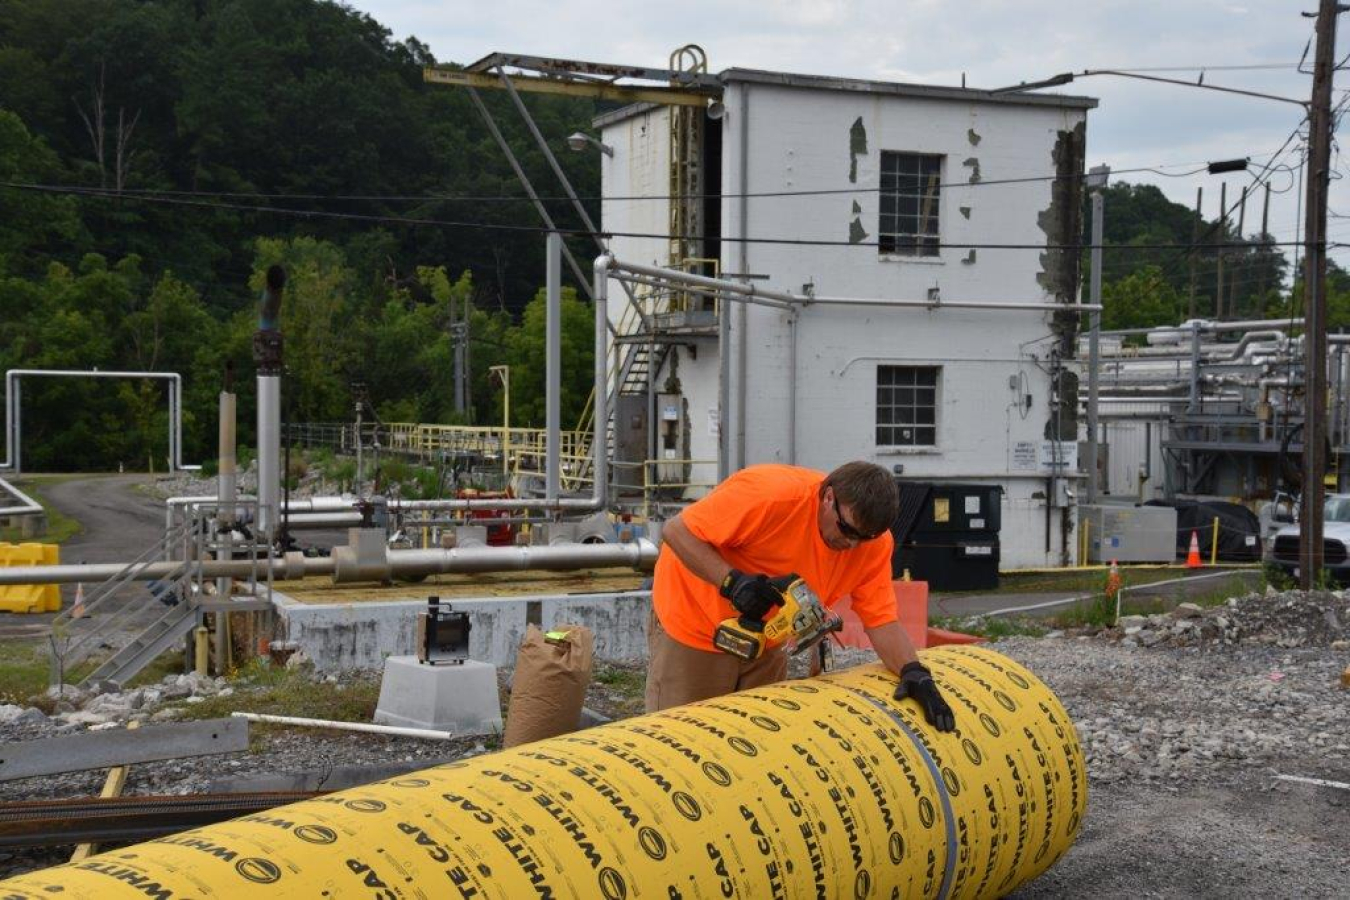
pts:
pixel 870 493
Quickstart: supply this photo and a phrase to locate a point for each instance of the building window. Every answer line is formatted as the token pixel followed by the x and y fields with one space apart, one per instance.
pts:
pixel 907 406
pixel 911 185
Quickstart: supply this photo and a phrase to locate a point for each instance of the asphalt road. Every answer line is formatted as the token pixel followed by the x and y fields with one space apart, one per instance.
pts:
pixel 120 523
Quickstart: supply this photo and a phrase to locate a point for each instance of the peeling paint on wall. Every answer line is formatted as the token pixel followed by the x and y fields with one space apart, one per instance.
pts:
pixel 1062 224
pixel 974 164
pixel 857 146
pixel 965 211
pixel 972 137
pixel 856 233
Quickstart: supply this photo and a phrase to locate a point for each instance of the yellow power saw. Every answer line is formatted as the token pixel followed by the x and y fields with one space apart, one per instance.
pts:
pixel 802 621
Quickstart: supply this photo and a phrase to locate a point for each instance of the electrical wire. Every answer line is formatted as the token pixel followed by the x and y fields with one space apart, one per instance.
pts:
pixel 576 232
pixel 1192 169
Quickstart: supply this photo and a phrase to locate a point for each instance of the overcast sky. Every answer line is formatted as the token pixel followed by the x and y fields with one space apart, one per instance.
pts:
pixel 992 44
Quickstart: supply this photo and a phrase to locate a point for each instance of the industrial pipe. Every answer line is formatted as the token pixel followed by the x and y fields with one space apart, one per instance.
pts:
pixel 27 506
pixel 267 354
pixel 751 293
pixel 14 416
pixel 599 442
pixel 818 788
pixel 393 564
pixel 553 366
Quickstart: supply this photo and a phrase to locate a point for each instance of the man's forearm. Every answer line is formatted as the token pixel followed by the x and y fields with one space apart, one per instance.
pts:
pixel 700 557
pixel 893 646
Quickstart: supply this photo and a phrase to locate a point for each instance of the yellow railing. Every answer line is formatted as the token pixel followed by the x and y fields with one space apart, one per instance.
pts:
pixel 652 482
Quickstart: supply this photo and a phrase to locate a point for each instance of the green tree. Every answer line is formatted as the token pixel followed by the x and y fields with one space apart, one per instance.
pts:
pixel 320 354
pixel 525 352
pixel 28 219
pixel 1140 300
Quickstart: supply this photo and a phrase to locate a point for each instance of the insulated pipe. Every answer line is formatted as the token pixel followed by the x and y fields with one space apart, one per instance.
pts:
pixel 227 487
pixel 1205 327
pixel 553 365
pixel 227 479
pixel 753 293
pixel 599 442
pixel 825 787
pixel 14 417
pixel 395 564
pixel 269 454
pixel 742 314
pixel 27 506
pixel 267 353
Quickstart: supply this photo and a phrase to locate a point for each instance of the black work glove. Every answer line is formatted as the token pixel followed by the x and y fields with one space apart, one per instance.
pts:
pixel 752 595
pixel 917 682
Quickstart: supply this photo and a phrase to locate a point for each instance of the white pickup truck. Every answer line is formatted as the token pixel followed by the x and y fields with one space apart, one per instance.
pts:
pixel 1283 549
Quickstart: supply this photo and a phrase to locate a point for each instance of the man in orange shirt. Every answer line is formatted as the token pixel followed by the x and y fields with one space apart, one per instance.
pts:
pixel 720 556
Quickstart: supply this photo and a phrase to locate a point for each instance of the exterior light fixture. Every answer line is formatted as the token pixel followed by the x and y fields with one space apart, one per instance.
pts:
pixel 579 142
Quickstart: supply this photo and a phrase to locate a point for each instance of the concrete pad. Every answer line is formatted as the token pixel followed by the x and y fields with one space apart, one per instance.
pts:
pixel 461 699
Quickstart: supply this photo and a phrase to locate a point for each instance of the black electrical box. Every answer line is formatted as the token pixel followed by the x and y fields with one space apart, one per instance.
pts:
pixel 948 535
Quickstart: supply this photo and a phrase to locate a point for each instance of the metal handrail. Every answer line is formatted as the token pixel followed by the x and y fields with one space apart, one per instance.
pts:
pixel 186 542
pixel 78 649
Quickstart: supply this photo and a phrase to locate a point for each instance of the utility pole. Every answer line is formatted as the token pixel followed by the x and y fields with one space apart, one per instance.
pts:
pixel 1096 184
pixel 1218 266
pixel 1195 237
pixel 457 338
pixel 1315 302
pixel 1233 285
pixel 1265 236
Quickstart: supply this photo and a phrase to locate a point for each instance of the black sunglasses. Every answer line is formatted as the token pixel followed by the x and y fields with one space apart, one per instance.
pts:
pixel 846 529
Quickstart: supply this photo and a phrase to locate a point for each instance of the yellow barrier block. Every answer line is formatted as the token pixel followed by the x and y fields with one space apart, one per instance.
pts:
pixel 30 598
pixel 819 788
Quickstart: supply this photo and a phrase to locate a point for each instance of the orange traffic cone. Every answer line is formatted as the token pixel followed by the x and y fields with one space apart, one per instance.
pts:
pixel 1193 555
pixel 77 608
pixel 1113 581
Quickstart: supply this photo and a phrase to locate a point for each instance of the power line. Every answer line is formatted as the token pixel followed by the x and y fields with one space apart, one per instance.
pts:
pixel 513 198
pixel 574 232
pixel 1233 68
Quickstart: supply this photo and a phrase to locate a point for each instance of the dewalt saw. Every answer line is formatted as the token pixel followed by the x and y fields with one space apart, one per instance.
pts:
pixel 802 621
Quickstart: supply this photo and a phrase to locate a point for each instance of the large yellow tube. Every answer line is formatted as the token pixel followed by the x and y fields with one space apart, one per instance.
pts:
pixel 823 788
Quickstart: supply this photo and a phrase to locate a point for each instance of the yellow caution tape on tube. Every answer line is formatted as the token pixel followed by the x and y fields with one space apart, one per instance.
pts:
pixel 822 788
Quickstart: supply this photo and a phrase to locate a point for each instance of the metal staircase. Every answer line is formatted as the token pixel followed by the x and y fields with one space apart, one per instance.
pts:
pixel 161 634
pixel 137 619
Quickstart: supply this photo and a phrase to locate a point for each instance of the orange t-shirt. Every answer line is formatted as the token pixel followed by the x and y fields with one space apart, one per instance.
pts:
pixel 764 519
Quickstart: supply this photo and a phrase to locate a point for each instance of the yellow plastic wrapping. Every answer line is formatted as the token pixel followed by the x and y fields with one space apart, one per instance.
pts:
pixel 823 788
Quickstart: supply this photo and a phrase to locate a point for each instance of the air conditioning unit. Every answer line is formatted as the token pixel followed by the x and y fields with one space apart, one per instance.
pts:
pixel 1129 533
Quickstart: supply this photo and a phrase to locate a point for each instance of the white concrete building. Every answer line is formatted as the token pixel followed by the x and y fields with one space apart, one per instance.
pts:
pixel 890 192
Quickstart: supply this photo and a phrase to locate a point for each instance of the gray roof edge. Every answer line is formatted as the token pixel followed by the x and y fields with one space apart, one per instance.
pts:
pixel 927 91
pixel 625 112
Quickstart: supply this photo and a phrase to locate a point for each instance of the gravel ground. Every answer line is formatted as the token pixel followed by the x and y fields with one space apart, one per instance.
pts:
pixel 1186 719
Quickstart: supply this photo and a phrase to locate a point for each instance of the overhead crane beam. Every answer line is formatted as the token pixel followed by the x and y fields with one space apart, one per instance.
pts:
pixel 598 90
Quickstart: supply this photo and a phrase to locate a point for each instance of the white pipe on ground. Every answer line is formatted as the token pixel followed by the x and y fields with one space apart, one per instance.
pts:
pixel 396 730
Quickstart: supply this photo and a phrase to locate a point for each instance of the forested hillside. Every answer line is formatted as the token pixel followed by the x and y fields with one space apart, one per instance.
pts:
pixel 199 128
pixel 155 157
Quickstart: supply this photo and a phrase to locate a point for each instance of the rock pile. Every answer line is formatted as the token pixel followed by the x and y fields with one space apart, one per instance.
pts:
pixel 1287 619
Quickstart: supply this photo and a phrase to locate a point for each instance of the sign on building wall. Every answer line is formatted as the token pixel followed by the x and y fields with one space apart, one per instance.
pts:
pixel 1045 457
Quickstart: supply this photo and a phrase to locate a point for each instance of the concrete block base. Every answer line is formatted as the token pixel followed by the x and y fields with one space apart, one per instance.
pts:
pixel 461 699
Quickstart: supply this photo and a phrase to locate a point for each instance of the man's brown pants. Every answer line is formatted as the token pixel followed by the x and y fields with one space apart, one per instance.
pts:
pixel 678 674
